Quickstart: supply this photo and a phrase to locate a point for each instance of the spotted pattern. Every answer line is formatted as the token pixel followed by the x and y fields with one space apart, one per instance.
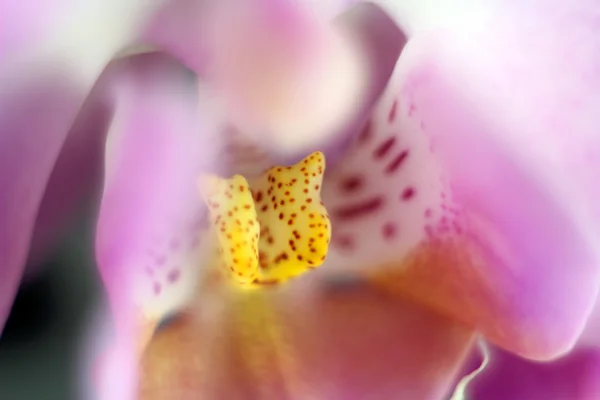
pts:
pixel 235 223
pixel 275 231
pixel 295 226
pixel 167 277
pixel 388 194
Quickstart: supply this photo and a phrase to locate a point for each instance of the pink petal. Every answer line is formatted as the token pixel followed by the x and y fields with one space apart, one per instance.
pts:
pixel 574 377
pixel 35 117
pixel 387 195
pixel 331 73
pixel 179 27
pixel 76 178
pixel 148 240
pixel 51 55
pixel 307 342
pixel 499 122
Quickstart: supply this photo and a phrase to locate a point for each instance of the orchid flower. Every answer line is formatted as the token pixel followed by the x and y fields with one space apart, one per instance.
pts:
pixel 450 177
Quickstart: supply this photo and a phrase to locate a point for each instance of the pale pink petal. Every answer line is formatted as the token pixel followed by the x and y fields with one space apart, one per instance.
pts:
pixel 294 82
pixel 148 243
pixel 179 27
pixel 509 108
pixel 51 55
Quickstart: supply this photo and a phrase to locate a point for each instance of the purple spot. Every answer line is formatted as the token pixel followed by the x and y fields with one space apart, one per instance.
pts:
pixel 174 275
pixel 157 288
pixel 149 271
pixel 428 213
pixel 161 260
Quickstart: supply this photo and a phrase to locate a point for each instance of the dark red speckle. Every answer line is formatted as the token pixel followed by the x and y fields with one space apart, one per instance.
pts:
pixel 408 193
pixel 392 114
pixel 366 133
pixel 384 147
pixel 174 275
pixel 356 210
pixel 389 230
pixel 156 288
pixel 396 162
pixel 344 242
pixel 351 184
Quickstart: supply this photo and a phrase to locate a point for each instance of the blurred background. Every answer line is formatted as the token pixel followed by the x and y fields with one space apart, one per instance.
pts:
pixel 39 348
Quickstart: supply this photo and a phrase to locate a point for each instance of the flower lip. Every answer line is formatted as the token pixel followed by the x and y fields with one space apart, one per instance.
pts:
pixel 271 230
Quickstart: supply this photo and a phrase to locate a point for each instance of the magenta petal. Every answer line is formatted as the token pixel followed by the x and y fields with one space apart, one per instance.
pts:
pixel 511 124
pixel 76 179
pixel 148 231
pixel 574 377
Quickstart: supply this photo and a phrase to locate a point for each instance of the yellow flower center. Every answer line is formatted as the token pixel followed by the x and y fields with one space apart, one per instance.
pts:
pixel 273 229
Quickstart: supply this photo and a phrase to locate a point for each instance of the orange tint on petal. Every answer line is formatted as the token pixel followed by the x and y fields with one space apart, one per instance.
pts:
pixel 304 341
pixel 452 278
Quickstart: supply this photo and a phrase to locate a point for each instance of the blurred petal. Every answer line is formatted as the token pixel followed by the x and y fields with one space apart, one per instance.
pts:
pixel 179 27
pixel 306 342
pixel 105 371
pixel 574 377
pixel 34 120
pixel 421 16
pixel 148 240
pixel 330 72
pixel 529 276
pixel 42 87
pixel 76 178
